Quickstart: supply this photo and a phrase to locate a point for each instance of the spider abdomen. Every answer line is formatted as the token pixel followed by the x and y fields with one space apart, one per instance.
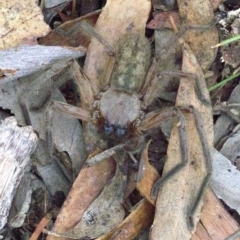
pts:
pixel 131 64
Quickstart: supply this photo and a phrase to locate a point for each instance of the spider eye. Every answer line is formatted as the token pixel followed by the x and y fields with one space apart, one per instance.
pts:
pixel 108 129
pixel 120 131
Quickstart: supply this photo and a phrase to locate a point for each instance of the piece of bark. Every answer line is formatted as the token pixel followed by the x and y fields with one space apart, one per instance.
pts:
pixel 16 145
pixel 215 219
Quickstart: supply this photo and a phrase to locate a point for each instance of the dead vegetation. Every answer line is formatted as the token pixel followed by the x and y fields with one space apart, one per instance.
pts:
pixel 122 122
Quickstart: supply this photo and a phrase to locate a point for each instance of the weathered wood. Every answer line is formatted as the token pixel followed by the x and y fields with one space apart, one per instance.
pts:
pixel 16 145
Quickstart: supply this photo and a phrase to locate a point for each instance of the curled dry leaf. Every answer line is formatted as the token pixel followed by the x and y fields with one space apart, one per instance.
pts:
pixel 33 59
pixel 147 176
pixel 85 189
pixel 106 211
pixel 134 223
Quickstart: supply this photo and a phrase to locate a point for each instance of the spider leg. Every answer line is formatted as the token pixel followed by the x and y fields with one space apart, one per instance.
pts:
pixel 159 116
pixel 106 154
pixel 64 108
pixel 151 84
pixel 186 28
pixel 208 162
pixel 198 85
pixel 230 109
pixel 91 31
pixel 88 90
pixel 184 155
pixel 39 91
pixel 39 94
pixel 153 88
pixel 36 96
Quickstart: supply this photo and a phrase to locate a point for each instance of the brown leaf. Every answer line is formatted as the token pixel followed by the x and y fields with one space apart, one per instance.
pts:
pixel 149 176
pixel 40 227
pixel 201 233
pixel 105 213
pixel 86 188
pixel 161 20
pixel 199 13
pixel 70 34
pixel 132 225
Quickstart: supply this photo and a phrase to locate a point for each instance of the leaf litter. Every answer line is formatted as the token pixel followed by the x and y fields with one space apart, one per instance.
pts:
pixel 98 71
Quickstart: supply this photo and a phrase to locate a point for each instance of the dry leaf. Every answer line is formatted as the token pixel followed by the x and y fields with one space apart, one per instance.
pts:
pixel 224 123
pixel 70 33
pixel 147 176
pixel 85 189
pixel 134 223
pixel 201 233
pixel 53 3
pixel 178 194
pixel 199 13
pixel 161 20
pixel 116 19
pixel 40 227
pixel 105 212
pixel 21 202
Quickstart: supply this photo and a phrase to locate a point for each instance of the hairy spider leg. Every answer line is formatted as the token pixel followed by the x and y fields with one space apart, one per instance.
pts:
pixel 154 120
pixel 40 93
pixel 150 87
pixel 197 85
pixel 208 162
pixel 87 91
pixel 179 33
pixel 41 89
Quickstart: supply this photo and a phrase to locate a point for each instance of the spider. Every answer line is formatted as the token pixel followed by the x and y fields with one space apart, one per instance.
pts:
pixel 115 118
